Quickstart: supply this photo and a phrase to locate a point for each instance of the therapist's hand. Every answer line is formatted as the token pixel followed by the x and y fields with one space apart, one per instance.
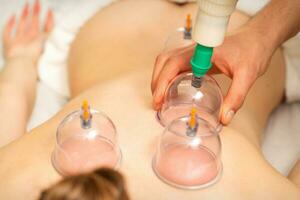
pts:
pixel 243 57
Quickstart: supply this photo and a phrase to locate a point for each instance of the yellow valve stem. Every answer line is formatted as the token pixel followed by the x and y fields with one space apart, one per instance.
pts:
pixel 188 23
pixel 193 118
pixel 86 115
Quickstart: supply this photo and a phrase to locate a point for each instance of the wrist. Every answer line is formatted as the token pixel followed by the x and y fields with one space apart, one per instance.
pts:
pixel 21 60
pixel 17 54
pixel 258 46
pixel 271 40
pixel 268 42
pixel 21 66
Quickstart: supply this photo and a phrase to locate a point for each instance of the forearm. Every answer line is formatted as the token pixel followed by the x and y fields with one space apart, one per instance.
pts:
pixel 17 95
pixel 21 75
pixel 277 22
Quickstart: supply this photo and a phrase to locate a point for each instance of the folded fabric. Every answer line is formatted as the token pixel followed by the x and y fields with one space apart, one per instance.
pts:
pixel 53 63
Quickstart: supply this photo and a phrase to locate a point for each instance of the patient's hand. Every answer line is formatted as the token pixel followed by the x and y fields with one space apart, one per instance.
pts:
pixel 27 41
pixel 243 56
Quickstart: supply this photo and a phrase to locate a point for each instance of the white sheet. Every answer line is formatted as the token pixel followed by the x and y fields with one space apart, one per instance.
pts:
pixel 282 141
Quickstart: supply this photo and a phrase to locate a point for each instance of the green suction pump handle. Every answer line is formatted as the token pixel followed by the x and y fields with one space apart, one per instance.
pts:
pixel 201 61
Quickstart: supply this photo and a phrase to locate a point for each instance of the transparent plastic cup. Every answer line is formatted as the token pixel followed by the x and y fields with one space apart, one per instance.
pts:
pixel 79 150
pixel 188 162
pixel 181 96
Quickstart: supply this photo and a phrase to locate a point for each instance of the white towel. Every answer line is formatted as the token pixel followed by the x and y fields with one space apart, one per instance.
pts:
pixel 53 63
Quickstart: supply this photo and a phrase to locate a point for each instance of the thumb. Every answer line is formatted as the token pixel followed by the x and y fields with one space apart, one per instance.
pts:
pixel 240 86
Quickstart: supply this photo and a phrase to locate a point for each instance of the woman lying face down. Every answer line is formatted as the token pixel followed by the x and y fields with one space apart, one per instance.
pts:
pixel 26 169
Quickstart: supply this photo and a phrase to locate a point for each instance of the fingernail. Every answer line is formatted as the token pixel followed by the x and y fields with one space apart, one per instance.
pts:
pixel 229 116
pixel 37 6
pixel 25 10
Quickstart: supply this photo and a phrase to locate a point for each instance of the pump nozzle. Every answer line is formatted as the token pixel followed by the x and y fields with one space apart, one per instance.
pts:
pixel 196 82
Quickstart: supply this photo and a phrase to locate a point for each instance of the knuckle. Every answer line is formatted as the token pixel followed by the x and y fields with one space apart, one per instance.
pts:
pixel 161 57
pixel 174 62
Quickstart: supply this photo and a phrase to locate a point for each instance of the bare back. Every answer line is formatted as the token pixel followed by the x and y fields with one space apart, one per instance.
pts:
pixel 125 97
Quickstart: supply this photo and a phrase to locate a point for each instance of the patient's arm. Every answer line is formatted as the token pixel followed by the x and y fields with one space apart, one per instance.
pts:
pixel 19 77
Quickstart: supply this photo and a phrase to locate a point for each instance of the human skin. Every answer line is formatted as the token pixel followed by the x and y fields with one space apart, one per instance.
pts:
pixel 295 174
pixel 19 76
pixel 124 96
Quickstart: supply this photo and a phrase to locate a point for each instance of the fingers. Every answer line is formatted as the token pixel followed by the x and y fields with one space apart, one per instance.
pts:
pixel 173 66
pixel 214 70
pixel 35 19
pixel 49 23
pixel 23 20
pixel 168 73
pixel 240 86
pixel 32 25
pixel 159 64
pixel 29 39
pixel 9 29
pixel 163 59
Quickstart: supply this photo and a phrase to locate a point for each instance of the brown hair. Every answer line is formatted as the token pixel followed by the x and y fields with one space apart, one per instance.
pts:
pixel 101 184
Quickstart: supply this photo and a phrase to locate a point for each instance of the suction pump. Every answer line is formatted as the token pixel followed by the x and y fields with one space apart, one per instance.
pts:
pixel 209 31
